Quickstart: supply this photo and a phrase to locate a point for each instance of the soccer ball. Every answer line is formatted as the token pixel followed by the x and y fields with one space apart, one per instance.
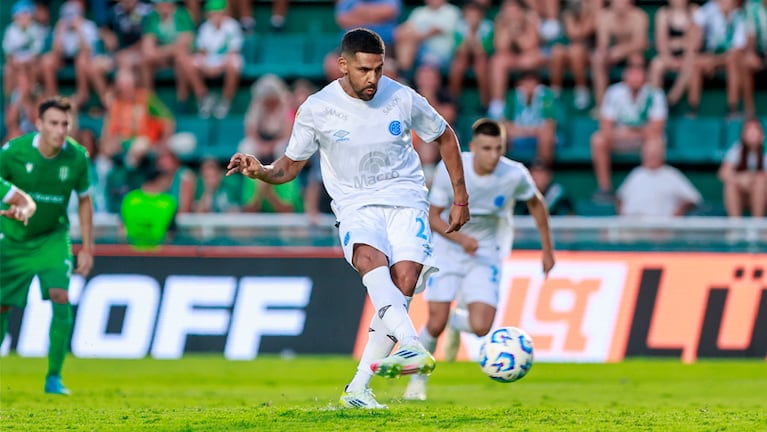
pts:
pixel 506 355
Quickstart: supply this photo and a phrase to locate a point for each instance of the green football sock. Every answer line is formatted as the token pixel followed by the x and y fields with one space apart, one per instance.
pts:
pixel 61 329
pixel 3 325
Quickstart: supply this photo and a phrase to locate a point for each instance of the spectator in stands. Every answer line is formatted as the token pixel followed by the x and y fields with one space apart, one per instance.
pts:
pixel 721 32
pixel 134 112
pixel 378 15
pixel 557 200
pixel 219 45
pixel 580 19
pixel 23 42
pixel 756 50
pixel 21 111
pixel 633 114
pixel 149 212
pixel 242 10
pixel 532 117
pixel 182 179
pixel 428 83
pixel 260 197
pixel 122 42
pixel 269 119
pixel 167 42
pixel 217 193
pixel 74 43
pixel 744 172
pixel 428 36
pixel 99 170
pixel 673 45
pixel 621 34
pixel 279 13
pixel 655 189
pixel 517 47
pixel 474 43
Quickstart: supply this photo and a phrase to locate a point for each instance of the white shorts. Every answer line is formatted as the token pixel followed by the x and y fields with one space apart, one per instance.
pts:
pixel 401 233
pixel 469 279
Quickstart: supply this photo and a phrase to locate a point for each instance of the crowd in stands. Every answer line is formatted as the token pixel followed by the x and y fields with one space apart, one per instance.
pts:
pixel 520 55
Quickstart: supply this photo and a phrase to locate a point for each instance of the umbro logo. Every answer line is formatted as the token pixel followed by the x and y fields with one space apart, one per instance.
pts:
pixel 341 135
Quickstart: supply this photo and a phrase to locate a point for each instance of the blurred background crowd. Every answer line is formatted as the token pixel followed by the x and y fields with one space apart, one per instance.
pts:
pixel 648 109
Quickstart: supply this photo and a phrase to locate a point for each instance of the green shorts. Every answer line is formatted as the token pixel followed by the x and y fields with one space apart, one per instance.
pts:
pixel 49 257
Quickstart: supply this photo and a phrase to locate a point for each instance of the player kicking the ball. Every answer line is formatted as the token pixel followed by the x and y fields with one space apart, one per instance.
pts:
pixel 470 260
pixel 362 125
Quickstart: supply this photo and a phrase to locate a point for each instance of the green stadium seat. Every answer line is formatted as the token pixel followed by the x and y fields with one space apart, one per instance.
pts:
pixel 695 140
pixel 320 45
pixel 250 49
pixel 586 207
pixel 93 123
pixel 281 54
pixel 732 133
pixel 225 139
pixel 578 147
pixel 200 128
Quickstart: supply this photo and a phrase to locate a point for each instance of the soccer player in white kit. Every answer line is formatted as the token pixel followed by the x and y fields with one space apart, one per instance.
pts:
pixel 362 125
pixel 470 260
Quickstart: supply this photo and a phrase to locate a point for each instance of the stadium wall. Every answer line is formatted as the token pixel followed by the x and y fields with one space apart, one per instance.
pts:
pixel 242 302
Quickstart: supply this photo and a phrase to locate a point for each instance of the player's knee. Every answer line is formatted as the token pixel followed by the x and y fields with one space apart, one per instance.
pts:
pixel 59 296
pixel 482 329
pixel 405 280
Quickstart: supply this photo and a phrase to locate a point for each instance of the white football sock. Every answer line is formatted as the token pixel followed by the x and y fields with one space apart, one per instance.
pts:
pixel 427 340
pixel 459 320
pixel 378 346
pixel 390 305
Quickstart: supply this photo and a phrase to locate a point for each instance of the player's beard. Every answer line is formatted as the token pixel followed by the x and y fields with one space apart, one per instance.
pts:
pixel 363 93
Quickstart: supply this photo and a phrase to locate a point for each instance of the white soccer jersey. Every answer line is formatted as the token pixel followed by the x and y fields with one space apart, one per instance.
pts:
pixel 492 198
pixel 23 43
pixel 366 148
pixel 219 41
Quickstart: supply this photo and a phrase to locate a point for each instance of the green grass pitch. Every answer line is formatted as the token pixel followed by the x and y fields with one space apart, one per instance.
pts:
pixel 208 393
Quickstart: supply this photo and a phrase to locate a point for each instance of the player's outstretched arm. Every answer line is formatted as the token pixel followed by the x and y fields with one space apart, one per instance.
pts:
pixel 538 211
pixel 281 171
pixel 22 207
pixel 438 225
pixel 451 156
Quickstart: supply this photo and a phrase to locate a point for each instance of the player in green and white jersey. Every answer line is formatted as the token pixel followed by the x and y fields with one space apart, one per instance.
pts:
pixel 19 205
pixel 48 165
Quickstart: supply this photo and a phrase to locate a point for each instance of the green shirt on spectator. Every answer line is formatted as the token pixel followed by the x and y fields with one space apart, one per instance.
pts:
pixel 168 31
pixel 541 107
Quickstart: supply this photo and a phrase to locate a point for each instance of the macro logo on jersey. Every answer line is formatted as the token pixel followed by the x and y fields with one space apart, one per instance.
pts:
pixel 374 167
pixel 395 127
pixel 341 135
pixel 63 173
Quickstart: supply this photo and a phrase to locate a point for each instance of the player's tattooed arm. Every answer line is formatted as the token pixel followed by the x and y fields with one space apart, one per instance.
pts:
pixel 451 156
pixel 281 171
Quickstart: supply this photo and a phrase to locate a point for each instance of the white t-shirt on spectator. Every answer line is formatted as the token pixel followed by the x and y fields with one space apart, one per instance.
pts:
pixel 752 162
pixel 720 33
pixel 366 148
pixel 657 192
pixel 217 42
pixel 619 105
pixel 446 18
pixel 23 44
pixel 492 201
pixel 70 39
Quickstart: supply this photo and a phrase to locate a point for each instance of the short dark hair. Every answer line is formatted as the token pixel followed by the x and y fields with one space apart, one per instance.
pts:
pixel 490 127
pixel 362 40
pixel 58 102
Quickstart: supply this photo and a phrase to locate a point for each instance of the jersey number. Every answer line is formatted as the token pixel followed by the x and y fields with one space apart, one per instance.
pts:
pixel 421 229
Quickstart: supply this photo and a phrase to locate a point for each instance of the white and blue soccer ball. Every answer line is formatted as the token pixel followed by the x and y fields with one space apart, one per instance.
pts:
pixel 506 355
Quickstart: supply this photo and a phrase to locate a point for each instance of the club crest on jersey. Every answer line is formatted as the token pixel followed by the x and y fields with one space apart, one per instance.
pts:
pixel 395 127
pixel 341 135
pixel 63 173
pixel 29 167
